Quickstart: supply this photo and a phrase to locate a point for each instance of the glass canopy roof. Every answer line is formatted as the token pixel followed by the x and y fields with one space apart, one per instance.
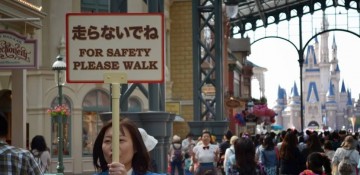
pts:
pixel 274 11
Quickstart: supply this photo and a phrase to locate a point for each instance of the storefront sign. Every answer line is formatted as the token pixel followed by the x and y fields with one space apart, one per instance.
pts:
pixel 99 43
pixel 17 52
pixel 173 107
pixel 234 103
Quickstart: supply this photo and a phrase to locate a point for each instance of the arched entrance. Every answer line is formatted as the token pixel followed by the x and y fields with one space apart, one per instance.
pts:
pixel 313 125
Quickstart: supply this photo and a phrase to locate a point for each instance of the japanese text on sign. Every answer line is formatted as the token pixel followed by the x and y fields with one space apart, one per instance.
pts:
pixel 116 32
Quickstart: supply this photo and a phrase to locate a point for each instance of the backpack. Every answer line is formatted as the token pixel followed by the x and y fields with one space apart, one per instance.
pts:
pixel 177 155
pixel 345 167
pixel 41 165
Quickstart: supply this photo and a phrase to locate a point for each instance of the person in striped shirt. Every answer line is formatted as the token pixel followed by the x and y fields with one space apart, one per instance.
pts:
pixel 13 160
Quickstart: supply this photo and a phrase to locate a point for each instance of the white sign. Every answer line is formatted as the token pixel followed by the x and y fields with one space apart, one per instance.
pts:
pixel 16 51
pixel 98 43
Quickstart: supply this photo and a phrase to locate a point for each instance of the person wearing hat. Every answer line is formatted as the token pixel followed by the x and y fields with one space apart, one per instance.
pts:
pixel 176 156
pixel 347 148
pixel 150 143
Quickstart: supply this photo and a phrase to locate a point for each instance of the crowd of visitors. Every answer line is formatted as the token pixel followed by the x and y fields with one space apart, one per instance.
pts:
pixel 288 152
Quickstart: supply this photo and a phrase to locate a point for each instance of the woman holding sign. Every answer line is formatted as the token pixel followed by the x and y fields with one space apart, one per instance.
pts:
pixel 134 157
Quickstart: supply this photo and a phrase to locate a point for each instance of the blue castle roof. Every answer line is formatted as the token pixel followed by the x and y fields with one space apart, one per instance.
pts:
pixel 312 89
pixel 331 90
pixel 281 93
pixel 310 52
pixel 343 90
pixel 294 91
pixel 337 68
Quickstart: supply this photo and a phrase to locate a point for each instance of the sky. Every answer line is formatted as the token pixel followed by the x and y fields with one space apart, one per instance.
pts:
pixel 280 57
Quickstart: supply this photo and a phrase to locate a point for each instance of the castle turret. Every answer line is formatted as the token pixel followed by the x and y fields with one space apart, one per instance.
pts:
pixel 349 110
pixel 334 49
pixel 330 107
pixel 316 46
pixel 280 105
pixel 294 107
pixel 295 97
pixel 341 111
pixel 324 56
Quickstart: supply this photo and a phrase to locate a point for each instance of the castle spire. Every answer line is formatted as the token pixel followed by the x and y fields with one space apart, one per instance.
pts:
pixel 330 95
pixel 294 92
pixel 334 46
pixel 334 50
pixel 324 49
pixel 343 90
pixel 331 90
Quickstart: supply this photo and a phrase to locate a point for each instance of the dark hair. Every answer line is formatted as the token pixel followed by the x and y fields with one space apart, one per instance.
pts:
pixel 187 155
pixel 228 134
pixel 141 158
pixel 288 145
pixel 268 143
pixel 282 135
pixel 38 143
pixel 189 135
pixel 98 154
pixel 245 156
pixel 342 132
pixel 3 125
pixel 313 144
pixel 316 161
pixel 328 145
pixel 206 132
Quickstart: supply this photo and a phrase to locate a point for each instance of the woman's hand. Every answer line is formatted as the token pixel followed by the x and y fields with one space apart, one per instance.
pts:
pixel 117 168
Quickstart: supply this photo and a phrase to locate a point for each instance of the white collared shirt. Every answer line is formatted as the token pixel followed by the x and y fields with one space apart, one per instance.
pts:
pixel 130 171
pixel 205 155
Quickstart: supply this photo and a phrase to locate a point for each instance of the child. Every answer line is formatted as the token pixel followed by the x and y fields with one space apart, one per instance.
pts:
pixel 317 163
pixel 188 164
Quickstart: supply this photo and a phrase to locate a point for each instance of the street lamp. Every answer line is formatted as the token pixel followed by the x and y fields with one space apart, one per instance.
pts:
pixel 59 67
pixel 232 8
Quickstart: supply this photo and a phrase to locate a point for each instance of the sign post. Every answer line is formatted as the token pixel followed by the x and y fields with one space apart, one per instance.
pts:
pixel 115 48
pixel 115 79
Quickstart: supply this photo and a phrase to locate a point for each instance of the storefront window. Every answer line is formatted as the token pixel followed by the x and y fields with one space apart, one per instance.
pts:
pixel 95 103
pixel 66 130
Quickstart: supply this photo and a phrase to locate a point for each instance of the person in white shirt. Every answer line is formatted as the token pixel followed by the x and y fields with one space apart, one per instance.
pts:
pixel 229 151
pixel 41 153
pixel 347 148
pixel 205 155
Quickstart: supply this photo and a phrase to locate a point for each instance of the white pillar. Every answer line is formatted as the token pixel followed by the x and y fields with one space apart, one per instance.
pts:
pixel 18 108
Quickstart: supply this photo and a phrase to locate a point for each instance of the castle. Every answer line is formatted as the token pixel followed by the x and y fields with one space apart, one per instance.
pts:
pixel 327 105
